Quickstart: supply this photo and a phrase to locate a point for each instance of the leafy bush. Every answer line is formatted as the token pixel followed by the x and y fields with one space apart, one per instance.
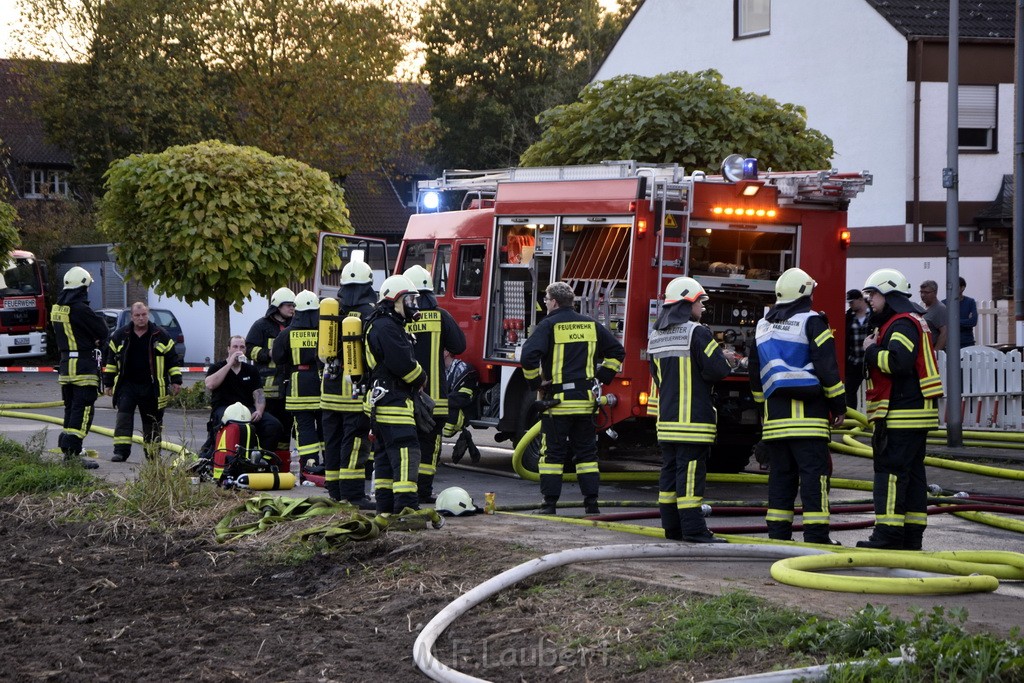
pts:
pixel 941 648
pixel 191 398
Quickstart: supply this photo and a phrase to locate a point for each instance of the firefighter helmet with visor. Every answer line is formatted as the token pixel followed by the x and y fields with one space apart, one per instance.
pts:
pixel 792 285
pixel 455 501
pixel 77 277
pixel 306 301
pixel 356 273
pixel 420 278
pixel 885 280
pixel 282 296
pixel 684 289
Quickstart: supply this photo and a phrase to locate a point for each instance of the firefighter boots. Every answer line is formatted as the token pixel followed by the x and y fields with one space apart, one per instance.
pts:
pixel 333 489
pixel 703 537
pixel 913 536
pixel 884 537
pixel 780 531
pixel 590 505
pixel 548 507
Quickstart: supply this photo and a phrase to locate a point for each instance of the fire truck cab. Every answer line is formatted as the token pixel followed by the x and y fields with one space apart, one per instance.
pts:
pixel 617 233
pixel 23 316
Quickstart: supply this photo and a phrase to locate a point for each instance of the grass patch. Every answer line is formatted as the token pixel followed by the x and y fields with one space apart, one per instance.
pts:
pixel 24 470
pixel 942 649
pixel 163 491
pixel 722 625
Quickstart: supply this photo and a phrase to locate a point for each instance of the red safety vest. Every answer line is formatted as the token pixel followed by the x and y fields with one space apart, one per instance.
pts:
pixel 879 385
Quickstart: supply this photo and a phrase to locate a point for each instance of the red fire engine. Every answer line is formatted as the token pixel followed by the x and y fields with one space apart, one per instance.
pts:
pixel 22 306
pixel 617 232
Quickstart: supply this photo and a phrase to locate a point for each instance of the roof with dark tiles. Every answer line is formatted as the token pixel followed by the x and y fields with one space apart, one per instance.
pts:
pixel 930 18
pixel 21 130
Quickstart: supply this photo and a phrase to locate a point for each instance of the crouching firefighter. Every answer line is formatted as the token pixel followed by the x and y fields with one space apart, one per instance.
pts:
pixel 686 361
pixel 903 386
pixel 463 383
pixel 395 378
pixel 562 351
pixel 795 374
pixel 346 426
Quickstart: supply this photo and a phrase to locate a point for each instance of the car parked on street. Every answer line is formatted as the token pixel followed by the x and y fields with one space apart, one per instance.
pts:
pixel 119 317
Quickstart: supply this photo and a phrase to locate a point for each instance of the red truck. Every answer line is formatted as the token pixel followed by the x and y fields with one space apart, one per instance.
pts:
pixel 22 306
pixel 617 232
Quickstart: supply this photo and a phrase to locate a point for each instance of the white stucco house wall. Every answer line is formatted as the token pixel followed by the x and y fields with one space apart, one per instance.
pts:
pixel 871 75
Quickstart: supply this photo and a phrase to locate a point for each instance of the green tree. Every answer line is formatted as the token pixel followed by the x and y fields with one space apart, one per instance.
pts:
pixel 494 65
pixel 216 221
pixel 118 77
pixel 309 79
pixel 8 233
pixel 302 78
pixel 693 119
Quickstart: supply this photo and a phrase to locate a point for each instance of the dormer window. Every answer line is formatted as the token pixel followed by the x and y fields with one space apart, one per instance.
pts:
pixel 41 183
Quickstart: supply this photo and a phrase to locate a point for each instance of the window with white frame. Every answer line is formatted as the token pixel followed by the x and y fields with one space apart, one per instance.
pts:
pixel 40 183
pixel 752 18
pixel 977 107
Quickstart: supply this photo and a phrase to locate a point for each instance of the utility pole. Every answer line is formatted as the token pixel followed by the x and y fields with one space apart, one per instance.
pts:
pixel 1018 180
pixel 954 388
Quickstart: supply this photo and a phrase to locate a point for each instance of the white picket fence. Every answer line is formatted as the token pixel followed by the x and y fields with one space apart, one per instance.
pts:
pixel 992 392
pixel 995 322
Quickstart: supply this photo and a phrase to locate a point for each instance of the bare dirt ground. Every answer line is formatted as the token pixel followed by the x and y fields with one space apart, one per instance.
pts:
pixel 123 601
pixel 89 601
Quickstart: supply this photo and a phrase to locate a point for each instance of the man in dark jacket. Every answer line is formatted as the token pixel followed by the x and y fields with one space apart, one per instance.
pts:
pixel 686 361
pixel 295 354
pixel 794 373
pixel 559 358
pixel 346 426
pixel 80 334
pixel 141 371
pixel 258 345
pixel 395 378
pixel 435 333
pixel 903 387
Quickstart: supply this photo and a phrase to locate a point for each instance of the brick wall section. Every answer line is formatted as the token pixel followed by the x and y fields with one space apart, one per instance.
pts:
pixel 1002 271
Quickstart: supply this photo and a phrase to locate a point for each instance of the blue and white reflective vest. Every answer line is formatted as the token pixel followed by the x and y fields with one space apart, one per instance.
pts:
pixel 785 354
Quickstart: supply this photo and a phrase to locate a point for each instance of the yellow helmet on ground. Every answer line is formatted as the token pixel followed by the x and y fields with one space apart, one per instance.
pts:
pixel 885 280
pixel 455 501
pixel 77 277
pixel 792 285
pixel 684 289
pixel 237 412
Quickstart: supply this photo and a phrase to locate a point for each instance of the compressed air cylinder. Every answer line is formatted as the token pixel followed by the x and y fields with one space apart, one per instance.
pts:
pixel 267 481
pixel 352 346
pixel 328 335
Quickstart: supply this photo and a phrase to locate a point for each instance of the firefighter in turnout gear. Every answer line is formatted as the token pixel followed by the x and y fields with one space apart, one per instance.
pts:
pixel 346 426
pixel 794 372
pixel 395 378
pixel 686 361
pixel 562 357
pixel 80 333
pixel 258 345
pixel 295 354
pixel 463 382
pixel 141 372
pixel 435 332
pixel 902 390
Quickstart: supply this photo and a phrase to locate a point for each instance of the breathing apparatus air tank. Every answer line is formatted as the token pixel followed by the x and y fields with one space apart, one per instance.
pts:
pixel 266 481
pixel 352 345
pixel 327 339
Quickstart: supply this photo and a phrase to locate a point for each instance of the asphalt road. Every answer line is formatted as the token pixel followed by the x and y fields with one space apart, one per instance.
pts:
pixel 494 472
